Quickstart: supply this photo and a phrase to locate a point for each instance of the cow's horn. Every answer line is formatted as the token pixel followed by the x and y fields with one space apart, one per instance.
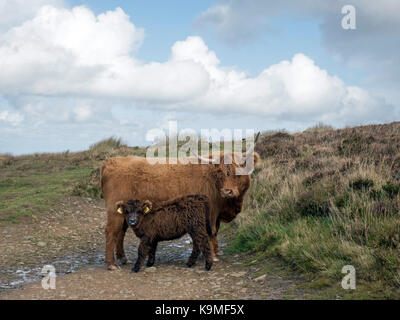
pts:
pixel 250 152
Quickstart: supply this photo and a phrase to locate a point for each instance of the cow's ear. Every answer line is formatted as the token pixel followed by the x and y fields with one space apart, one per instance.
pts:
pixel 120 207
pixel 147 206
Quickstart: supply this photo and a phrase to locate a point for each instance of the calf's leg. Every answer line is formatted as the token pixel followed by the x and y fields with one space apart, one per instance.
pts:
pixel 204 245
pixel 152 254
pixel 195 252
pixel 144 249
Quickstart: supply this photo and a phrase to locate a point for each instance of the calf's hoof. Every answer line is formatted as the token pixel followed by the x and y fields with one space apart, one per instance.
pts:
pixel 113 267
pixel 219 253
pixel 135 269
pixel 190 264
pixel 215 259
pixel 208 266
pixel 150 264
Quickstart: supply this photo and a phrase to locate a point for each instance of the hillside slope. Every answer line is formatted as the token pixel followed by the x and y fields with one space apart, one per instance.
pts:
pixel 326 198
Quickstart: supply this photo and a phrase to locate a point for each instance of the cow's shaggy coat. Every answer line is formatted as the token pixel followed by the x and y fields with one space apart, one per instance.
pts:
pixel 169 221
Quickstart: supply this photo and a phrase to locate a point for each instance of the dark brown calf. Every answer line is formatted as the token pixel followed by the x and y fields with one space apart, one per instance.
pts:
pixel 169 221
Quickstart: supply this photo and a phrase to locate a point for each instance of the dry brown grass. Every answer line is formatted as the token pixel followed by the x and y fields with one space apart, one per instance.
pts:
pixel 325 198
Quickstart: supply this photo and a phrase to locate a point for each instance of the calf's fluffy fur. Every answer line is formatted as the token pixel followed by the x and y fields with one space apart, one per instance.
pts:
pixel 169 221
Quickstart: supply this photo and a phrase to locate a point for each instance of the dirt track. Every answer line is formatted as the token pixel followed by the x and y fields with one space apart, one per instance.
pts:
pixel 78 253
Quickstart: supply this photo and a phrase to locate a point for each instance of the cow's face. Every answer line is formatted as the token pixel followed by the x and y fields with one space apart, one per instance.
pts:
pixel 231 185
pixel 232 188
pixel 134 211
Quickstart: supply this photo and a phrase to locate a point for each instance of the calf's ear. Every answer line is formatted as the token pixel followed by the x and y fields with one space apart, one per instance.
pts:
pixel 120 207
pixel 147 206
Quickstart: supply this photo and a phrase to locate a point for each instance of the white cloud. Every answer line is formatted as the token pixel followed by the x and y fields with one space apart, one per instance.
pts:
pixel 296 89
pixel 14 12
pixel 63 51
pixel 12 118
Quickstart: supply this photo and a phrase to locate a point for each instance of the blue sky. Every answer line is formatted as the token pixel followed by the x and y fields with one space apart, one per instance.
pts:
pixel 100 71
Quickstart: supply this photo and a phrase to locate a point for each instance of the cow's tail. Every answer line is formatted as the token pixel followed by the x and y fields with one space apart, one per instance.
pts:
pixel 208 223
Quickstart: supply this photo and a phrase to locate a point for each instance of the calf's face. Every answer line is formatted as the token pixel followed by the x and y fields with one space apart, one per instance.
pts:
pixel 134 210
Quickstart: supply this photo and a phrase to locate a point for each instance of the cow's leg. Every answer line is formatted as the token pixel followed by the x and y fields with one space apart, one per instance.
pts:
pixel 114 226
pixel 144 249
pixel 214 240
pixel 217 251
pixel 152 254
pixel 121 257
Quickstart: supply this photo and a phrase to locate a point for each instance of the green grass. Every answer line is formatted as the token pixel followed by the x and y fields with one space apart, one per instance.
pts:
pixel 34 194
pixel 31 185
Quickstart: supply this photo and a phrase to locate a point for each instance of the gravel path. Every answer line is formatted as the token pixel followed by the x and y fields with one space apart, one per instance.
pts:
pixel 81 272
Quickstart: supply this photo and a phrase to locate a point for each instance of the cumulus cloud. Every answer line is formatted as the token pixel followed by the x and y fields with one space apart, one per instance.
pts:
pixel 63 51
pixel 15 12
pixel 296 89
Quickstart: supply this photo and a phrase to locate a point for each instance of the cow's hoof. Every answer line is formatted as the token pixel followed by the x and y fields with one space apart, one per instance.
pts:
pixel 215 259
pixel 219 253
pixel 189 265
pixel 150 264
pixel 123 260
pixel 208 266
pixel 113 267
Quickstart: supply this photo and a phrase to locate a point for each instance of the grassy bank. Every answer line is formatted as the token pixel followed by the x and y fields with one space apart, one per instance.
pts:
pixel 326 198
pixel 33 184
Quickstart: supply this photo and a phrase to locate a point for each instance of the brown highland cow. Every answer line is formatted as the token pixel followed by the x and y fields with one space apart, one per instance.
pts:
pixel 169 221
pixel 124 178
